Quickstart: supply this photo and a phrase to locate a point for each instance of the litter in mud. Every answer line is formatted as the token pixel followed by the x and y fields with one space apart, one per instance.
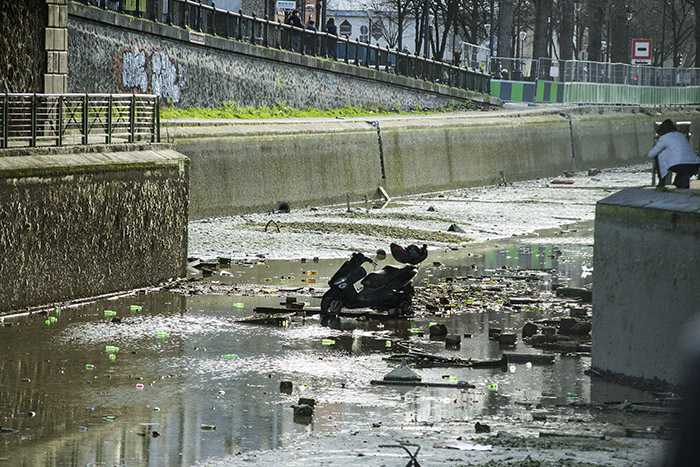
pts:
pixel 463 446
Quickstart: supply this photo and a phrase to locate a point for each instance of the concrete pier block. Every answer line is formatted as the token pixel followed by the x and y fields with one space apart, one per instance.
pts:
pixel 647 274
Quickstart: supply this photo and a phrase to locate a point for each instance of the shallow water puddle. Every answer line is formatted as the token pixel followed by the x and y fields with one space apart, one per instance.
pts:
pixel 178 380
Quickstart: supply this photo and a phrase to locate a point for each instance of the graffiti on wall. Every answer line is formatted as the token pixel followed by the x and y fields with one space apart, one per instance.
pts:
pixel 164 76
pixel 136 70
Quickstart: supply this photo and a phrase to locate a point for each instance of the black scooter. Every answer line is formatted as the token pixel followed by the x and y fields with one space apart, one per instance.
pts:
pixel 389 290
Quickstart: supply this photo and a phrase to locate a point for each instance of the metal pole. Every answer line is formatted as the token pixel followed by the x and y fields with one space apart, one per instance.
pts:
pixel 5 125
pixel 132 119
pixel 426 28
pixel 33 118
pixel 663 32
pixel 59 123
pixel 491 30
pixel 109 119
pixel 85 119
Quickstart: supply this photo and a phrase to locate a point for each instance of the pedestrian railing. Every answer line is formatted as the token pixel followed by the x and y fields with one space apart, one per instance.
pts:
pixel 208 19
pixel 578 82
pixel 30 120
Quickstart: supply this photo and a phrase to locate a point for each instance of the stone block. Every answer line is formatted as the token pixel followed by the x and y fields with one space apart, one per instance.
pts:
pixel 58 16
pixel 529 330
pixel 55 83
pixel 57 2
pixel 507 338
pixel 453 340
pixel 56 39
pixel 303 410
pixel 57 62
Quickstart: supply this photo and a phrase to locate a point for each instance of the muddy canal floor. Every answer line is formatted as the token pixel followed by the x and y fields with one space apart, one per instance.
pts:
pixel 172 376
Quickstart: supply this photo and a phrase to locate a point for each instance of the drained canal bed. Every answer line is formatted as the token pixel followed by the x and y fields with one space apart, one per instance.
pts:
pixel 169 376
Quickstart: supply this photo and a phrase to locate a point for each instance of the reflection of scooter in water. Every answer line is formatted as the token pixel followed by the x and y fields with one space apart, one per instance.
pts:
pixel 388 290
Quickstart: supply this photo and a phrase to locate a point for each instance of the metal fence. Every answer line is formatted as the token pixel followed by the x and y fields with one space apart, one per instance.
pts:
pixel 476 56
pixel 574 71
pixel 262 31
pixel 514 69
pixel 30 120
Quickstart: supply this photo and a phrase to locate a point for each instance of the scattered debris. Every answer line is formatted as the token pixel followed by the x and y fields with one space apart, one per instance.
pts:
pixel 463 446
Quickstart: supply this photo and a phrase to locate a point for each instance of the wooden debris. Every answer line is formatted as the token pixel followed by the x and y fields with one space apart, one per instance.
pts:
pixel 272 318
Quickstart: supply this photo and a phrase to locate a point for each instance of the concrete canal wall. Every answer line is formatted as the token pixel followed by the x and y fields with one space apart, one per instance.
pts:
pixel 84 224
pixel 250 166
pixel 645 293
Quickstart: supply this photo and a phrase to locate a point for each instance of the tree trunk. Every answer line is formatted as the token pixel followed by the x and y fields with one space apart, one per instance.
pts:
pixel 543 9
pixel 697 32
pixel 594 20
pixel 566 30
pixel 619 49
pixel 505 25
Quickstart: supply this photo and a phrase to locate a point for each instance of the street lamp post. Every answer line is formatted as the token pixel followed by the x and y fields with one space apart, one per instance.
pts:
pixel 577 45
pixel 628 12
pixel 521 35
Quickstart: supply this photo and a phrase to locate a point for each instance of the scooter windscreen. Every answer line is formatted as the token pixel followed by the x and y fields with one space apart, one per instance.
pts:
pixel 412 254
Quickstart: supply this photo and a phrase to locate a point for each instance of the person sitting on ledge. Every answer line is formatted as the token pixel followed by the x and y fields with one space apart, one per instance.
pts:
pixel 674 154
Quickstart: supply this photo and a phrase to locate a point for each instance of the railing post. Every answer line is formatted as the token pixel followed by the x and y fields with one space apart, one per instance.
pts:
pixel 239 33
pixel 5 123
pixel 33 118
pixel 59 123
pixel 132 119
pixel 212 19
pixel 85 119
pixel 199 16
pixel 109 119
pixel 252 30
pixel 357 53
pixel 157 119
pixel 266 27
pixel 169 18
pixel 278 34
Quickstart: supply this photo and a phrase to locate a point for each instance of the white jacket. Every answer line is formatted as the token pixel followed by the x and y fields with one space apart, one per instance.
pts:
pixel 673 149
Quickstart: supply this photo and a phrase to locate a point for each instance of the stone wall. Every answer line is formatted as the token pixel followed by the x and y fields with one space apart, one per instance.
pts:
pixel 22 58
pixel 80 225
pixel 112 53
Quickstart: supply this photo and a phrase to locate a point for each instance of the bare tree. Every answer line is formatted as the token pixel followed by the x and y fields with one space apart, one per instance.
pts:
pixel 593 19
pixel 620 44
pixel 680 14
pixel 505 28
pixel 393 15
pixel 566 29
pixel 543 10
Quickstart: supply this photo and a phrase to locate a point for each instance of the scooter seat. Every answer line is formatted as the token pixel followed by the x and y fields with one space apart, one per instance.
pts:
pixel 386 274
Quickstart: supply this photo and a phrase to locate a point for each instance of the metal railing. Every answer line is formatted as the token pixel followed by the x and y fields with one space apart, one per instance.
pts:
pixel 262 31
pixel 30 120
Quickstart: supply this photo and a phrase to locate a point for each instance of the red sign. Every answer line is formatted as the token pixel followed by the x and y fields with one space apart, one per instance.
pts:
pixel 641 51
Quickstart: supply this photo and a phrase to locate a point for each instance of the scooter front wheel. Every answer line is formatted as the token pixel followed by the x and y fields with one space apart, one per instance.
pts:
pixel 330 305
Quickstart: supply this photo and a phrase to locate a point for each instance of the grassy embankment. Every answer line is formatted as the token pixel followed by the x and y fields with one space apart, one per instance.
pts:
pixel 232 110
